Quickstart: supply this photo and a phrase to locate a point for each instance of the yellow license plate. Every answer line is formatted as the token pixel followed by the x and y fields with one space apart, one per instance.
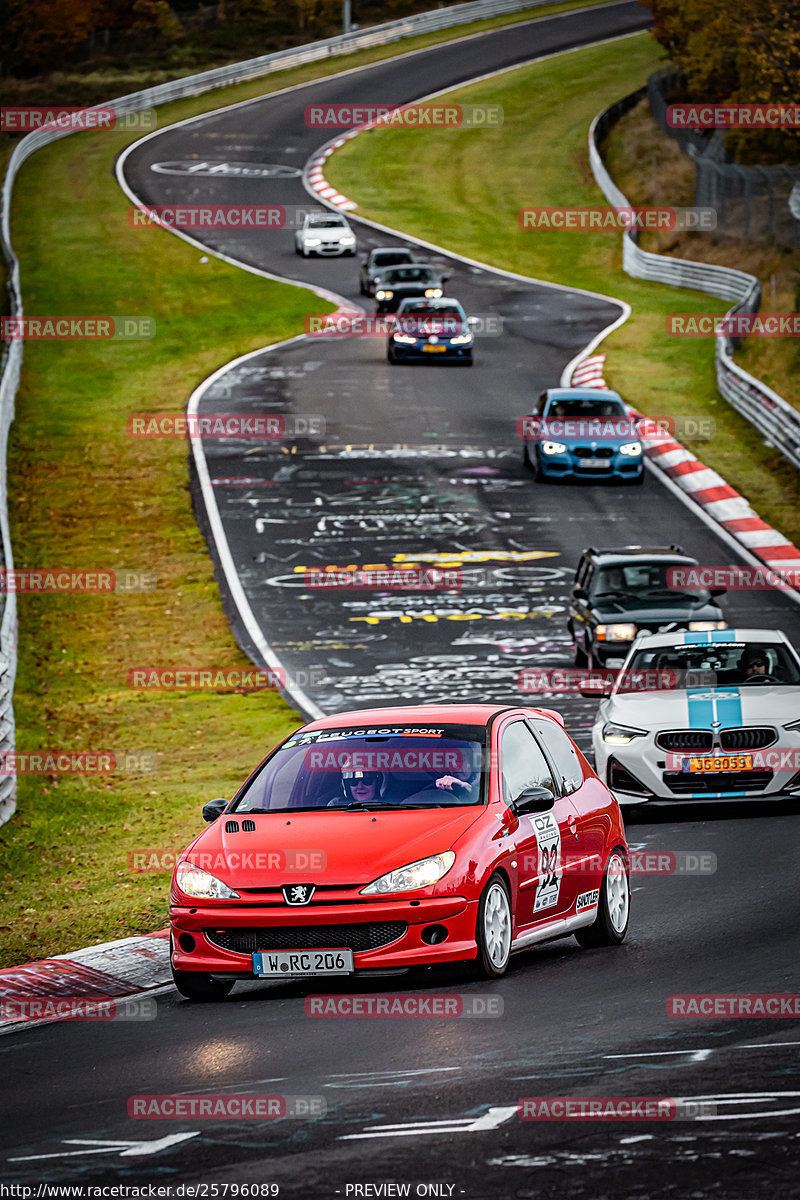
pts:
pixel 434 349
pixel 710 764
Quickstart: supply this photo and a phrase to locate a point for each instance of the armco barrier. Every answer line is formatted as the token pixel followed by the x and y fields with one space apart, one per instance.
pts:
pixel 771 415
pixel 190 85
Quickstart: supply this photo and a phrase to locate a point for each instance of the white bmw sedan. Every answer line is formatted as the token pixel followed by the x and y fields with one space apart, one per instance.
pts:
pixel 702 716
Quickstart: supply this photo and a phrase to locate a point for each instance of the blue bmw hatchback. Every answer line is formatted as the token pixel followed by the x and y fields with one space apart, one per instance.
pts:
pixel 582 433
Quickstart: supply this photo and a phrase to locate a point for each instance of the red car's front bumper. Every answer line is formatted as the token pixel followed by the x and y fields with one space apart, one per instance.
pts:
pixel 248 927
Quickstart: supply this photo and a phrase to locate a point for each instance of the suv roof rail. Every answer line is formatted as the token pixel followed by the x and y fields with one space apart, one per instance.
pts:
pixel 672 549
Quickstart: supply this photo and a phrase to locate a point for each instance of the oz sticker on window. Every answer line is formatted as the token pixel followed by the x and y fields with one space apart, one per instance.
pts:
pixel 548 841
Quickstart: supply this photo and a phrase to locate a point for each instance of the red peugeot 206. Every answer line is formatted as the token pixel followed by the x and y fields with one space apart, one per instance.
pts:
pixel 401 837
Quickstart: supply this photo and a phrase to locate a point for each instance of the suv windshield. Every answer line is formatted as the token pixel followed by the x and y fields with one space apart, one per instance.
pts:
pixel 437 766
pixel 390 258
pixel 643 580
pixel 732 663
pixel 327 223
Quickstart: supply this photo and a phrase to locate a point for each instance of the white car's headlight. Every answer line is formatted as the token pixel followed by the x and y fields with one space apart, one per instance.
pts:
pixel 433 292
pixel 793 725
pixel 405 339
pixel 347 239
pixel 383 295
pixel 195 882
pixel 621 632
pixel 706 626
pixel 312 241
pixel 461 339
pixel 620 735
pixel 553 448
pixel 632 449
pixel 416 875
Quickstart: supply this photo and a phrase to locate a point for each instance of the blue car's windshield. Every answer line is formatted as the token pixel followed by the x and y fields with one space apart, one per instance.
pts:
pixel 589 408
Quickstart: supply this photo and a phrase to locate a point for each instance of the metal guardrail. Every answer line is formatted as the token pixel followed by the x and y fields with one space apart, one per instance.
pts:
pixel 771 415
pixel 176 89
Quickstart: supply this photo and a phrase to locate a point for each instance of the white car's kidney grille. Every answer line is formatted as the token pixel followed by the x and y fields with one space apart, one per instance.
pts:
pixel 685 739
pixel 754 738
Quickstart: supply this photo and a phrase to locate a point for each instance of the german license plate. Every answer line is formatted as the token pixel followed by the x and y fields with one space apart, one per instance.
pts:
pixel 280 964
pixel 710 763
pixel 433 349
pixel 596 464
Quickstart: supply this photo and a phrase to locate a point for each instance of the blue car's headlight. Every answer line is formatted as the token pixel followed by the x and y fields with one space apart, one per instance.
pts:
pixel 553 448
pixel 461 339
pixel 404 339
pixel 632 449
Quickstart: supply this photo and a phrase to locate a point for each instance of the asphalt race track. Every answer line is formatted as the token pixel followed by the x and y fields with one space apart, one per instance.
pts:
pixel 417 464
pixel 425 463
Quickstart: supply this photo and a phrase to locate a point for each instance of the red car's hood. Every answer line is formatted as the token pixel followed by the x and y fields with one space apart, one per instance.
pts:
pixel 354 847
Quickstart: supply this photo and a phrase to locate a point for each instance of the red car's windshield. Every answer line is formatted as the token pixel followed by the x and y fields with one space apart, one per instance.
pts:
pixel 419 767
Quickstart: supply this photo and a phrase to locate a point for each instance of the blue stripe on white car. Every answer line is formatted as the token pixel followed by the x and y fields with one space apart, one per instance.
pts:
pixel 720 708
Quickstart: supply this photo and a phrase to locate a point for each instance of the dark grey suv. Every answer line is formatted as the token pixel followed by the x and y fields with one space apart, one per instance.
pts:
pixel 619 592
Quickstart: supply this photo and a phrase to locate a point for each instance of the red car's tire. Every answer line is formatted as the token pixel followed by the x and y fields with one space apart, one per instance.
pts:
pixel 493 930
pixel 613 912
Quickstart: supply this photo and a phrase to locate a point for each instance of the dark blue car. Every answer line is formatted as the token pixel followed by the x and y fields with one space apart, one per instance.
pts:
pixel 430 331
pixel 582 433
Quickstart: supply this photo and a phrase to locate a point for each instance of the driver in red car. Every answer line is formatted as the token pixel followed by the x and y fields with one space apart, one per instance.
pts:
pixel 360 787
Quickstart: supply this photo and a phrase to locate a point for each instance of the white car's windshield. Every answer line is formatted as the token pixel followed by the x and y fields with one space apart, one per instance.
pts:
pixel 381 767
pixel 734 664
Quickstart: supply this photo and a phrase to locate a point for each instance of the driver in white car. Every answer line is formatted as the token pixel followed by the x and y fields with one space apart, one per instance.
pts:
pixel 753 663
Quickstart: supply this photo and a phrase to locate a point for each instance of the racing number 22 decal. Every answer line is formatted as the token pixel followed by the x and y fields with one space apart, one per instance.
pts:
pixel 548 843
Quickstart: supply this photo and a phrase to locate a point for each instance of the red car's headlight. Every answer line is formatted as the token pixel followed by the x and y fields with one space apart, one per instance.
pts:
pixel 193 881
pixel 414 875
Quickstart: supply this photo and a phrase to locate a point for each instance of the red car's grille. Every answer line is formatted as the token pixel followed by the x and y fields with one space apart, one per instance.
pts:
pixel 365 936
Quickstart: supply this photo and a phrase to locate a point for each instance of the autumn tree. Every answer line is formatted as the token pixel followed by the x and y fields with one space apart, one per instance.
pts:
pixel 746 52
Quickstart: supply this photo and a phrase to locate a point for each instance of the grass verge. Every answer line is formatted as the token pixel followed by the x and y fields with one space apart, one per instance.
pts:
pixel 440 190
pixel 84 495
